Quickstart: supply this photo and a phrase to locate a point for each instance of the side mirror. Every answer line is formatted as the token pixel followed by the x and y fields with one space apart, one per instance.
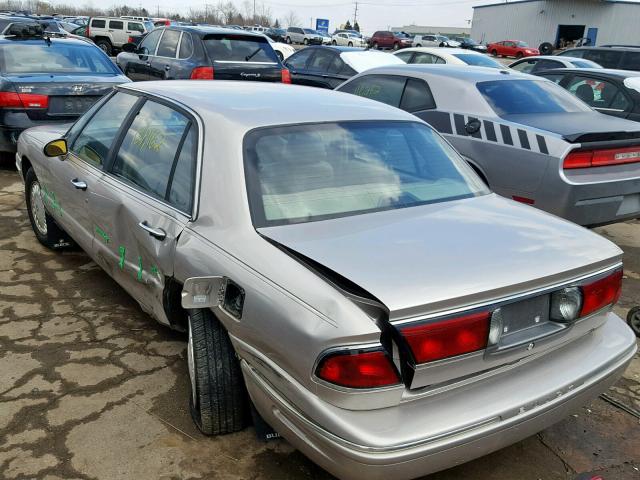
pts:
pixel 129 48
pixel 56 148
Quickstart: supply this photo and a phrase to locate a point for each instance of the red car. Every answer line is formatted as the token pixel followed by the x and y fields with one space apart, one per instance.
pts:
pixel 512 48
pixel 385 39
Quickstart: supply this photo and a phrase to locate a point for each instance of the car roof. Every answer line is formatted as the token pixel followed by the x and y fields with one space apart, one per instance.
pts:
pixel 337 48
pixel 4 39
pixel 457 72
pixel 607 72
pixel 442 50
pixel 207 30
pixel 604 49
pixel 241 109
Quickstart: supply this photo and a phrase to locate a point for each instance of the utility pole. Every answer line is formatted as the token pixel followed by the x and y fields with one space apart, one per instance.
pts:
pixel 355 14
pixel 254 11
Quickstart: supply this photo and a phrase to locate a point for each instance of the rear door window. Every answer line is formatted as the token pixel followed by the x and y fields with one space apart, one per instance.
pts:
pixel 95 140
pixel 98 23
pixel 298 61
pixel 321 61
pixel 417 96
pixel 184 171
pixel 631 61
pixel 136 27
pixel 598 93
pixel 150 148
pixel 116 24
pixel 168 44
pixel 383 88
pixel 239 48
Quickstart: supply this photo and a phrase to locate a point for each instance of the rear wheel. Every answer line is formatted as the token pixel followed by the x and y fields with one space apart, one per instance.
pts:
pixel 375 45
pixel 288 40
pixel 419 45
pixel 105 46
pixel 218 396
pixel 305 42
pixel 396 46
pixel 334 43
pixel 44 226
pixel 350 44
pixel 519 55
pixel 494 53
pixel 633 319
pixel 280 55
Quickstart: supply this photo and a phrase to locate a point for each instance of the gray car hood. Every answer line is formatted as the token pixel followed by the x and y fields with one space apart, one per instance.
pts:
pixel 435 257
pixel 580 126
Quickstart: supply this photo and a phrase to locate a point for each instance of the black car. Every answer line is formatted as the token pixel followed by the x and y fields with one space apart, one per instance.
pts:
pixel 202 53
pixel 330 66
pixel 614 92
pixel 19 25
pixel 622 58
pixel 49 80
pixel 276 34
pixel 470 44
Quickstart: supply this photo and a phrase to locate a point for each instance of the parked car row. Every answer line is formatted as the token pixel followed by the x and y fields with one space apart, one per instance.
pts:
pixel 349 260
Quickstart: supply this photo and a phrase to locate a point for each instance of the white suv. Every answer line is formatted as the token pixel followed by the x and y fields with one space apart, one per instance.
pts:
pixel 111 33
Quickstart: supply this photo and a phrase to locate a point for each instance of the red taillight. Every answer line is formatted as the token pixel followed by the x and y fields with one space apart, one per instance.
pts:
pixel 202 73
pixel 358 369
pixel 286 76
pixel 88 33
pixel 130 40
pixel 525 200
pixel 601 293
pixel 602 158
pixel 448 338
pixel 23 100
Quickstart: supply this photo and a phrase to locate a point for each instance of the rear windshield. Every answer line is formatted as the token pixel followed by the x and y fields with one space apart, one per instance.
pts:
pixel 20 58
pixel 149 25
pixel 304 173
pixel 522 44
pixel 239 48
pixel 511 97
pixel 478 60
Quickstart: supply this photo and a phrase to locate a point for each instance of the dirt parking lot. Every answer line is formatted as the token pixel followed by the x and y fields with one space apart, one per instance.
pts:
pixel 92 388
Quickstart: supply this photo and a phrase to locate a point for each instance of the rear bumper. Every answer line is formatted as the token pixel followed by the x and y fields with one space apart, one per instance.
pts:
pixel 366 444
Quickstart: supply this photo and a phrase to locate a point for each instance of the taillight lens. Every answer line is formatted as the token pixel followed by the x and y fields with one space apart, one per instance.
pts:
pixel 23 100
pixel 358 369
pixel 202 73
pixel 602 158
pixel 286 76
pixel 602 292
pixel 448 338
pixel 130 40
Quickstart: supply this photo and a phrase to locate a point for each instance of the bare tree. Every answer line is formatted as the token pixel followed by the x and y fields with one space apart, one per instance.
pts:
pixel 291 19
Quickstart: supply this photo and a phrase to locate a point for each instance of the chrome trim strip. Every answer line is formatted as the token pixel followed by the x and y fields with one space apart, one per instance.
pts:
pixel 508 299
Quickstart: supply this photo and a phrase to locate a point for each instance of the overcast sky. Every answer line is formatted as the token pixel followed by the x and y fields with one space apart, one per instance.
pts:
pixel 372 14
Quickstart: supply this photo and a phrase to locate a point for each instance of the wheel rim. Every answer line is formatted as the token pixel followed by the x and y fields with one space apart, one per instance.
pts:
pixel 192 367
pixel 634 321
pixel 104 48
pixel 37 208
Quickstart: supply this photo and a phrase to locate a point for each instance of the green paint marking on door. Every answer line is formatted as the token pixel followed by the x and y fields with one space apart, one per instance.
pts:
pixel 103 234
pixel 123 252
pixel 139 269
pixel 154 270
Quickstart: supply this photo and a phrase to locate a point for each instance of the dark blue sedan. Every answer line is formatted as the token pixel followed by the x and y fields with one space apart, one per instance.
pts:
pixel 49 80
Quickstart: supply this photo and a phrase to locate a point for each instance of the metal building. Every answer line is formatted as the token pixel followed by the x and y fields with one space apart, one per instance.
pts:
pixel 603 22
pixel 431 30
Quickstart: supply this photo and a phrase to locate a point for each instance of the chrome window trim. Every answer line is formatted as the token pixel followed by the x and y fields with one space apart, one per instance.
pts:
pixel 509 299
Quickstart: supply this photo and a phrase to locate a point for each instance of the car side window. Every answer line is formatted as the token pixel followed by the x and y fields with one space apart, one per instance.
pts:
pixel 405 56
pixel 98 23
pixel 150 148
pixel 631 61
pixel 547 65
pixel 525 66
pixel 554 77
pixel 383 88
pixel 424 58
pixel 168 44
pixel 135 27
pixel 116 24
pixel 96 138
pixel 186 45
pixel 150 42
pixel 182 182
pixel 321 61
pixel 606 58
pixel 417 96
pixel 598 93
pixel 298 60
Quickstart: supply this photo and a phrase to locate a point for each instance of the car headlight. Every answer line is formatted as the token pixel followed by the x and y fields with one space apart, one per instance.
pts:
pixel 566 305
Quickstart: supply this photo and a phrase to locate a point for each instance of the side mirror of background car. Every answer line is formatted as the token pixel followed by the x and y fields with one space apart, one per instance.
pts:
pixel 56 148
pixel 473 126
pixel 130 48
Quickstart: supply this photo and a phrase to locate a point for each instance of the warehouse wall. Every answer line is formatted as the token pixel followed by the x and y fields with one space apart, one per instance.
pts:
pixel 537 21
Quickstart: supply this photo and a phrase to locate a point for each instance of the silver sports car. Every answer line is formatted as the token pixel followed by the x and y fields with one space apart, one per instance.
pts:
pixel 529 139
pixel 339 265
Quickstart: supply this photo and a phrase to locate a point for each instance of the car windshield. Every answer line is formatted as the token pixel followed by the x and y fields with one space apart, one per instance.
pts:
pixel 239 48
pixel 478 60
pixel 512 97
pixel 53 58
pixel 304 173
pixel 522 44
pixel 308 30
pixel 468 41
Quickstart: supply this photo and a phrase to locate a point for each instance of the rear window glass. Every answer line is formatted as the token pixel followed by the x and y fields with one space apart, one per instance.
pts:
pixel 239 48
pixel 512 97
pixel 19 58
pixel 304 173
pixel 98 23
pixel 477 60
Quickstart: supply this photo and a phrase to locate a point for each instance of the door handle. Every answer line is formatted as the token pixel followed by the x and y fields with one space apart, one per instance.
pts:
pixel 158 233
pixel 148 64
pixel 79 184
pixel 167 67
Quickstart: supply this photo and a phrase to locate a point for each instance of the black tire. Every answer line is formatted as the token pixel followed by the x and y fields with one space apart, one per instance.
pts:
pixel 519 55
pixel 44 226
pixel 633 319
pixel 350 44
pixel 280 55
pixel 334 43
pixel 494 53
pixel 396 46
pixel 105 46
pixel 419 45
pixel 218 400
pixel 305 41
pixel 545 48
pixel 375 45
pixel 288 40
pixel 441 44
